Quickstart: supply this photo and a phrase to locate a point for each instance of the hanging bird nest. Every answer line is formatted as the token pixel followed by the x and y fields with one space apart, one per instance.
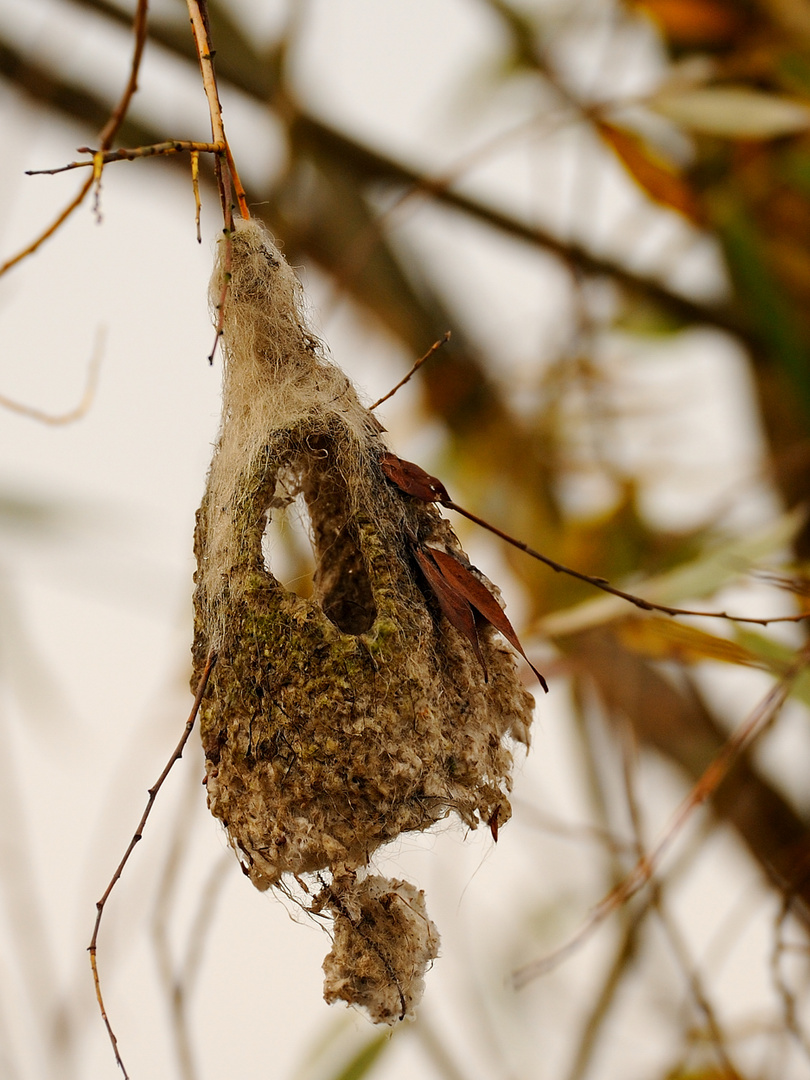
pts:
pixel 334 724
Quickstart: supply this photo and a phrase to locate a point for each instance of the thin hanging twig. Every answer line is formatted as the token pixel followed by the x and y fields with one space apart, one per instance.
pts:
pixel 177 753
pixel 78 411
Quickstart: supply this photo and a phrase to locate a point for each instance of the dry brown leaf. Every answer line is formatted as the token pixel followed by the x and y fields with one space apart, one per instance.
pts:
pixel 455 607
pixel 481 599
pixel 412 479
pixel 660 182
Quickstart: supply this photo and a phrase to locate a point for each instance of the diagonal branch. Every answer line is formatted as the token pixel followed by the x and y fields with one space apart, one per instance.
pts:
pixel 106 136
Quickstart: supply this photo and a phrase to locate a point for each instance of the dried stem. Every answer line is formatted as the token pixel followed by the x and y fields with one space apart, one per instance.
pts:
pixel 117 116
pixel 656 903
pixel 177 753
pixel 195 186
pixel 198 13
pixel 108 133
pixel 605 586
pixel 647 865
pixel 77 200
pixel 170 146
pixel 433 348
pixel 790 1010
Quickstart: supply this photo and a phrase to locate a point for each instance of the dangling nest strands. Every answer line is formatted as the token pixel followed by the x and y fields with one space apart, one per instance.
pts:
pixel 332 725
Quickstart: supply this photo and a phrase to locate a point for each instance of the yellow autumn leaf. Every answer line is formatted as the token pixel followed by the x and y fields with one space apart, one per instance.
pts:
pixel 661 182
pixel 664 639
pixel 733 112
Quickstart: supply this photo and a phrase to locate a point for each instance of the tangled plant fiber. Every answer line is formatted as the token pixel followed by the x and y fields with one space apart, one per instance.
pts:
pixel 334 724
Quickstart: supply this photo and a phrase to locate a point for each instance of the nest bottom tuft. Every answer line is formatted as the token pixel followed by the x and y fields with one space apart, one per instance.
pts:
pixel 384 943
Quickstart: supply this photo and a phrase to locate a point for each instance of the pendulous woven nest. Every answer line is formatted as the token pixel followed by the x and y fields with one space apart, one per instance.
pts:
pixel 332 725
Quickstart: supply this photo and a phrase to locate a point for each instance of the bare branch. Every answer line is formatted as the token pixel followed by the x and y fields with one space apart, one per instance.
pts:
pixel 106 137
pixel 433 348
pixel 605 586
pixel 139 29
pixel 177 753
pixel 76 201
pixel 198 14
pixel 171 146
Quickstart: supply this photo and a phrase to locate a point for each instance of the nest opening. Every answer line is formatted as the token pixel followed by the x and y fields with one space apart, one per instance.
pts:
pixel 318 535
pixel 287 550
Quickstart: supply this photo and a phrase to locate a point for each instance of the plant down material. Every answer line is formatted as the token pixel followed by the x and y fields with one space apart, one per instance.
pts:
pixel 332 725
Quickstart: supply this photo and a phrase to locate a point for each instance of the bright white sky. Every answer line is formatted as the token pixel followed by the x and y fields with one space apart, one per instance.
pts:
pixel 96 614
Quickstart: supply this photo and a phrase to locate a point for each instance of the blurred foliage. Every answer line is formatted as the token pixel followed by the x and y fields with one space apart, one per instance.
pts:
pixel 722 142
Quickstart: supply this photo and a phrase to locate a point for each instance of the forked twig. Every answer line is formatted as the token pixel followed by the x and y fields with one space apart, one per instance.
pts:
pixel 433 348
pixel 170 146
pixel 177 753
pixel 647 865
pixel 108 133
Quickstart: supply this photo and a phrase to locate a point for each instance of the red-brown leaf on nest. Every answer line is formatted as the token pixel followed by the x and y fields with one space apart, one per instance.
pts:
pixel 413 480
pixel 454 605
pixel 463 598
pixel 481 599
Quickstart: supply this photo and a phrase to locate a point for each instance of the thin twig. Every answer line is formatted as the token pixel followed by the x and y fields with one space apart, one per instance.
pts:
pixel 170 146
pixel 118 115
pixel 790 1011
pixel 77 200
pixel 195 187
pixel 177 753
pixel 197 10
pixel 647 865
pixel 108 133
pixel 433 348
pixel 697 990
pixel 414 481
pixel 605 586
pixel 238 187
pixel 73 414
pixel 618 970
pixel 656 903
pixel 162 912
pixel 198 13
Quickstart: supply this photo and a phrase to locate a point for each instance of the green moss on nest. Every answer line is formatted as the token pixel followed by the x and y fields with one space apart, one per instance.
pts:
pixel 332 725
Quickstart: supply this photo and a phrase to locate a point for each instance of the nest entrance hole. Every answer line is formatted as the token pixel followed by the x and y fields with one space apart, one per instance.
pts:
pixel 312 549
pixel 287 549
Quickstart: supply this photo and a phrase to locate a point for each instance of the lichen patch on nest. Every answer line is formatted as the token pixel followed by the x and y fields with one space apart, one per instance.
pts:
pixel 334 724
